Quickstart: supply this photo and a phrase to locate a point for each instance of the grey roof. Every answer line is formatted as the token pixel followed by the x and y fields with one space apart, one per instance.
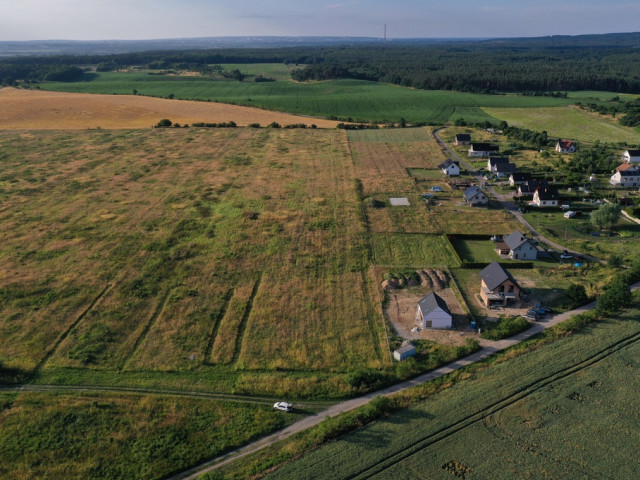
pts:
pixel 515 239
pixel 629 173
pixel 463 137
pixel 494 275
pixel 471 192
pixel 506 167
pixel 447 163
pixel 530 186
pixel 484 147
pixel 496 160
pixel 432 301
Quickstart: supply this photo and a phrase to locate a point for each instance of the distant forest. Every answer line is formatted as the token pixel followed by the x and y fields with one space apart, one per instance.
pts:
pixel 548 64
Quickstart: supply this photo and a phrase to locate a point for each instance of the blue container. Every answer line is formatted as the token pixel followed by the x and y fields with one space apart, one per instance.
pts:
pixel 473 325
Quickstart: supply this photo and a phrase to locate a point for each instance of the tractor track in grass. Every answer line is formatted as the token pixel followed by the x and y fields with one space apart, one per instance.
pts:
pixel 442 434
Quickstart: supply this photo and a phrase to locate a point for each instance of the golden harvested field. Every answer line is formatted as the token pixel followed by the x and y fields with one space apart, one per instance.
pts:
pixel 29 109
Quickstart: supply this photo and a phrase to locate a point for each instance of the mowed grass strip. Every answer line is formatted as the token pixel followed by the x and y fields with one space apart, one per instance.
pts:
pixel 224 346
pixel 412 250
pixel 568 122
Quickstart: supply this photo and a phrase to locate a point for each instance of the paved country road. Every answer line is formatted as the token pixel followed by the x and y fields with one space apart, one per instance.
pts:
pixel 488 348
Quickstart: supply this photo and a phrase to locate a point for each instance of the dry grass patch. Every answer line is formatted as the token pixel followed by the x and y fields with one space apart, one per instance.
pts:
pixel 35 109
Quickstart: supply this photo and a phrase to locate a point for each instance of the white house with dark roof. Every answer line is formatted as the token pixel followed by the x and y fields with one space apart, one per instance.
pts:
pixel 493 161
pixel 631 156
pixel 504 169
pixel 625 178
pixel 546 197
pixel 450 168
pixel 483 150
pixel 518 178
pixel 498 286
pixel 517 246
pixel 433 312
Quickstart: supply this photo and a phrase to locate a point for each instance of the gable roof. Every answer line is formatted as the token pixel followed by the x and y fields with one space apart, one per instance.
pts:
pixel 471 192
pixel 447 163
pixel 506 168
pixel 626 166
pixel 520 176
pixel 484 147
pixel 494 275
pixel 629 173
pixel 463 137
pixel 547 193
pixel 565 143
pixel 430 302
pixel 515 239
pixel 531 186
pixel 633 153
pixel 498 160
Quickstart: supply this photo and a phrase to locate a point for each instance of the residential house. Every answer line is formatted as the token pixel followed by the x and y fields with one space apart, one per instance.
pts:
pixel 625 178
pixel 517 246
pixel 463 139
pixel 405 351
pixel 498 286
pixel 450 168
pixel 626 166
pixel 530 186
pixel 565 146
pixel 518 178
pixel 483 149
pixel 631 156
pixel 546 197
pixel 433 312
pixel 475 197
pixel 502 170
pixel 493 161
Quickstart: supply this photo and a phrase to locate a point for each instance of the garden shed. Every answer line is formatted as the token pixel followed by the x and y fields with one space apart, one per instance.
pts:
pixel 405 351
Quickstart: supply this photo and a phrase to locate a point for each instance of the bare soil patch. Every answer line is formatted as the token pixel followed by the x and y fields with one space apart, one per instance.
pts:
pixel 36 109
pixel 402 304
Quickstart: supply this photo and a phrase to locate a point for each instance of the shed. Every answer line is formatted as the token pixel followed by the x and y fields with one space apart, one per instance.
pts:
pixel 433 312
pixel 405 351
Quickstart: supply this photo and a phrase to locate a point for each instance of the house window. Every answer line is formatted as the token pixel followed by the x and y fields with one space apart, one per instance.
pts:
pixel 428 323
pixel 510 288
pixel 501 288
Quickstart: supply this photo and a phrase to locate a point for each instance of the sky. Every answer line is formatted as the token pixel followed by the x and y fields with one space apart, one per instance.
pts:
pixel 151 19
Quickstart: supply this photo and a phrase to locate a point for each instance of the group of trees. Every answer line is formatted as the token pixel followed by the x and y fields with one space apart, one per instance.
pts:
pixel 630 110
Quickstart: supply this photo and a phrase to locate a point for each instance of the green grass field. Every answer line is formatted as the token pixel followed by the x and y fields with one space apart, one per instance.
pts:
pixel 342 99
pixel 412 251
pixel 566 410
pixel 570 123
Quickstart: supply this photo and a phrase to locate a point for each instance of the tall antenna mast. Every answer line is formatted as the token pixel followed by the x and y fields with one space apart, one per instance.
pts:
pixel 385 33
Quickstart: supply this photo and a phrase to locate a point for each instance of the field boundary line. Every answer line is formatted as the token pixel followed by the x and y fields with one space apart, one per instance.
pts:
pixel 156 313
pixel 216 326
pixel 73 325
pixel 243 323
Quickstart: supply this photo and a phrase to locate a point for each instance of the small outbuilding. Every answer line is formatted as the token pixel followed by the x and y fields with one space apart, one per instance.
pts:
pixel 450 168
pixel 405 351
pixel 433 312
pixel 463 139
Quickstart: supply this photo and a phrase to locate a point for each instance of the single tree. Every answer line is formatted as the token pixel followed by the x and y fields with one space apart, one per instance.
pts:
pixel 577 293
pixel 606 216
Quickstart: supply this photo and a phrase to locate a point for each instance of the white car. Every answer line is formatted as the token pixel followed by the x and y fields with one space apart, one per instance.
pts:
pixel 284 406
pixel 565 256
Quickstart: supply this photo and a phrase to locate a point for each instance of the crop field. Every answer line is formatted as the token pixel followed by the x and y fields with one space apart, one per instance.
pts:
pixel 98 435
pixel 568 123
pixel 200 250
pixel 356 99
pixel 566 410
pixel 29 109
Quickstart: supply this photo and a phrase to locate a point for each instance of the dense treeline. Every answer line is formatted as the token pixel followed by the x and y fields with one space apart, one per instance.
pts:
pixel 616 106
pixel 553 64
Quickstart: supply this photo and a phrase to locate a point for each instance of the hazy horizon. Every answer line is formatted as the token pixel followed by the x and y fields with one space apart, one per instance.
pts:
pixel 99 20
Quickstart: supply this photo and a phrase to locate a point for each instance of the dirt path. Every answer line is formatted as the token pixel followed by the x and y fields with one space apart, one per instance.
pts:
pixel 488 348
